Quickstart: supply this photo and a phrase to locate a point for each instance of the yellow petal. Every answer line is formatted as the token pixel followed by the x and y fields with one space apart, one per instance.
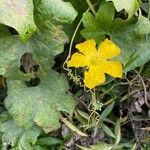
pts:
pixel 113 68
pixel 93 77
pixel 77 60
pixel 87 47
pixel 108 49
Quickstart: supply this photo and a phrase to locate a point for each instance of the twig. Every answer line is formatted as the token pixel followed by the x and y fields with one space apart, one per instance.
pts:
pixel 133 127
pixel 145 91
pixel 130 118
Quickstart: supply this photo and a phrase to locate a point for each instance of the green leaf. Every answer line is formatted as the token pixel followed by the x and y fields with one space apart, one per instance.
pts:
pixel 50 32
pixel 48 141
pixel 117 132
pixel 131 6
pixel 40 105
pixel 145 6
pixel 18 137
pixel 51 36
pixel 129 35
pixel 107 110
pixel 138 28
pixel 146 70
pixel 49 13
pixel 58 10
pixel 99 146
pixel 38 147
pixel 134 147
pixel 19 15
pixel 4 31
pixel 46 43
pixel 12 49
pixel 72 127
pixel 80 6
pixel 107 130
pixel 83 114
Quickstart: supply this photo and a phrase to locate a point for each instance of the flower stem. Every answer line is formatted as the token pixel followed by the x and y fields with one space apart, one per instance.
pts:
pixel 91 6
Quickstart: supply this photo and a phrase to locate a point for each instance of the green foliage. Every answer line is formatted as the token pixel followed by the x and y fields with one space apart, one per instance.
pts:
pixel 42 106
pixel 129 34
pixel 17 137
pixel 12 49
pixel 146 70
pixel 116 145
pixel 19 15
pixel 107 130
pixel 130 6
pixel 43 28
pixel 107 110
pixel 48 141
pixel 117 132
pixel 100 145
pixel 58 10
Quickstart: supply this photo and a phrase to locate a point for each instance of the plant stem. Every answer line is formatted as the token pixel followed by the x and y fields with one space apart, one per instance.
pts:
pixel 91 6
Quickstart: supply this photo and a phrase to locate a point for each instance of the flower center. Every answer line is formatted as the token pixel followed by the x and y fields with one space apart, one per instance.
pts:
pixel 95 60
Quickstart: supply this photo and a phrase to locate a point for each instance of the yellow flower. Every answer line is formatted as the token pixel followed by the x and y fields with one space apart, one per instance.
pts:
pixel 97 61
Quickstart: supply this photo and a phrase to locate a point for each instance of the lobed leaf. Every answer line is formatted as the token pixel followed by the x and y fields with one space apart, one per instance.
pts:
pixel 48 41
pixel 12 49
pixel 17 137
pixel 40 105
pixel 44 45
pixel 58 10
pixel 19 15
pixel 129 35
pixel 131 6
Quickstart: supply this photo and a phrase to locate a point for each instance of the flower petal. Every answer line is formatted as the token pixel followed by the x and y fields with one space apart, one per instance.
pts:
pixel 113 68
pixel 77 60
pixel 108 49
pixel 87 47
pixel 93 77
